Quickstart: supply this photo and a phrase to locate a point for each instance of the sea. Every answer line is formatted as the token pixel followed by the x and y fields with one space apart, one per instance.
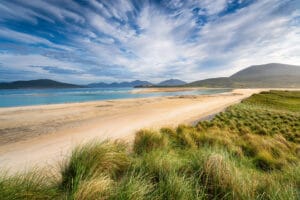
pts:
pixel 29 97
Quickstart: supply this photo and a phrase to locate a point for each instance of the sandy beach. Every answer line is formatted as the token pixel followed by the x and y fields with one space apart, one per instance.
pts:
pixel 39 136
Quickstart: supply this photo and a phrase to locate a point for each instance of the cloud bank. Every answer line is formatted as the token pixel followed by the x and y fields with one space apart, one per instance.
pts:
pixel 88 41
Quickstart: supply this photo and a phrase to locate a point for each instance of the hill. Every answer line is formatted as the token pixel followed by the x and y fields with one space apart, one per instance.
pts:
pixel 269 75
pixel 36 84
pixel 222 82
pixel 172 82
pixel 121 84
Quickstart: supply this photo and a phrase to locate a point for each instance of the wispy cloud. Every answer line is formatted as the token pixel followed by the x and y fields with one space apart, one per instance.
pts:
pixel 113 40
pixel 29 39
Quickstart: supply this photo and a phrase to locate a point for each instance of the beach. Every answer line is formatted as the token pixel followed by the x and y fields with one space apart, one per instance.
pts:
pixel 39 136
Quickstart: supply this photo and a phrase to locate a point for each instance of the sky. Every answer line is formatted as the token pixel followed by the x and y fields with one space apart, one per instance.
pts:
pixel 120 40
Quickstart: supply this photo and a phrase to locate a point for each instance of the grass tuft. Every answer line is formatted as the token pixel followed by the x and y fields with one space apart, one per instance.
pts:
pixel 94 160
pixel 94 189
pixel 31 185
pixel 133 186
pixel 146 141
pixel 265 161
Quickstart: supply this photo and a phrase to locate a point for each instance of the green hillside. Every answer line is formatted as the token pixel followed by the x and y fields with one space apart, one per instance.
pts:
pixel 249 151
pixel 269 75
pixel 222 82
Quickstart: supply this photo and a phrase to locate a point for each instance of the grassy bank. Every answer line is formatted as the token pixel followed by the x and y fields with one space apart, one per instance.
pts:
pixel 249 151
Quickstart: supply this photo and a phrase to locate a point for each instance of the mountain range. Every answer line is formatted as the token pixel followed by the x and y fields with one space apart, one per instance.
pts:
pixel 138 83
pixel 121 84
pixel 172 82
pixel 269 75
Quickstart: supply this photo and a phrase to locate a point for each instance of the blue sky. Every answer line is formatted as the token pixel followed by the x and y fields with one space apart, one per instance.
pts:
pixel 118 40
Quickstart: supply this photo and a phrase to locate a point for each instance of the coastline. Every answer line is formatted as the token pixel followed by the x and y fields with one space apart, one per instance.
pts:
pixel 32 97
pixel 45 134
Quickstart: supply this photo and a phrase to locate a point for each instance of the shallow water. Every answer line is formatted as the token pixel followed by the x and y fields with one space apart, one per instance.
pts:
pixel 26 97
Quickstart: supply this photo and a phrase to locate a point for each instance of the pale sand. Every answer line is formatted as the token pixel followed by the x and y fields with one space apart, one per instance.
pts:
pixel 42 135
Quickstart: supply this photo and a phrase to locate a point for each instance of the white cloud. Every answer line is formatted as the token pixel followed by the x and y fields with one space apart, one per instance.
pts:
pixel 29 39
pixel 254 35
pixel 213 7
pixel 162 49
pixel 34 63
pixel 20 61
pixel 17 12
pixel 57 12
pixel 172 44
pixel 120 8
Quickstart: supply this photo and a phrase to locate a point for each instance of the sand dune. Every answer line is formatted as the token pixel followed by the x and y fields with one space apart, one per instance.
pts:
pixel 41 135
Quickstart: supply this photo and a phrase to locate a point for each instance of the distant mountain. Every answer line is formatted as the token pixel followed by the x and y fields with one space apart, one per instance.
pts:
pixel 269 75
pixel 121 84
pixel 36 84
pixel 172 82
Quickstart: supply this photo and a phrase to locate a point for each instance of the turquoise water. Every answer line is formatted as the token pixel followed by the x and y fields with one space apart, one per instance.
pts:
pixel 26 97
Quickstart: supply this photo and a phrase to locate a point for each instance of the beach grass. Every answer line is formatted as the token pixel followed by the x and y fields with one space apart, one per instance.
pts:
pixel 249 151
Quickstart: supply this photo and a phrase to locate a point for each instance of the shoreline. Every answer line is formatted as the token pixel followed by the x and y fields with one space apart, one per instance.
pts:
pixel 45 134
pixel 133 91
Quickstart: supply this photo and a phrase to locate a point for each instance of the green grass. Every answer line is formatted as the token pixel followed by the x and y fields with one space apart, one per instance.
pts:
pixel 249 151
pixel 94 163
pixel 31 185
pixel 278 100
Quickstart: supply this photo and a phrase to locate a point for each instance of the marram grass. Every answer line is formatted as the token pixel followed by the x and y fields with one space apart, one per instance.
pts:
pixel 249 151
